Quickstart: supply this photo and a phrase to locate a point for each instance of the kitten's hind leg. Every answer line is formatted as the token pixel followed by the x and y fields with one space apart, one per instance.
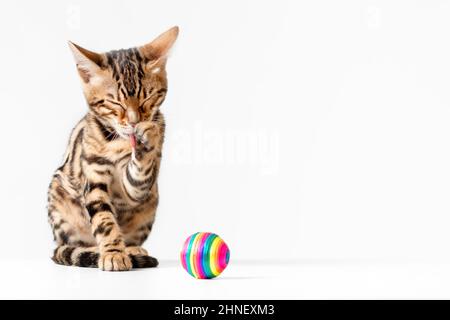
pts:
pixel 76 256
pixel 140 258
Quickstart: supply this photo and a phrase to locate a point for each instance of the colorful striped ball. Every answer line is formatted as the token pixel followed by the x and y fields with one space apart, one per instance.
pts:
pixel 205 255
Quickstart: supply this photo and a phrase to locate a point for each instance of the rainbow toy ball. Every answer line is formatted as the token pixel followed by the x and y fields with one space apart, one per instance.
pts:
pixel 205 255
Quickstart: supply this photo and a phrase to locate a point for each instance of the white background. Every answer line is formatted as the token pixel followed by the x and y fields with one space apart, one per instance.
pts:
pixel 296 130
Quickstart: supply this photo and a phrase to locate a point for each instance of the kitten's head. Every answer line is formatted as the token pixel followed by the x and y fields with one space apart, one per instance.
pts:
pixel 126 86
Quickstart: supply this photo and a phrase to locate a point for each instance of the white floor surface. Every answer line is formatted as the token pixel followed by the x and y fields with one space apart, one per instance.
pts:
pixel 307 279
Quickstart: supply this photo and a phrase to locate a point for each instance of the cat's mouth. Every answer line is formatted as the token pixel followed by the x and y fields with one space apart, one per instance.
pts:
pixel 125 135
pixel 125 132
pixel 130 136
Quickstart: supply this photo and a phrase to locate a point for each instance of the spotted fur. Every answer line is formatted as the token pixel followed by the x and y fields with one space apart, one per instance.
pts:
pixel 102 200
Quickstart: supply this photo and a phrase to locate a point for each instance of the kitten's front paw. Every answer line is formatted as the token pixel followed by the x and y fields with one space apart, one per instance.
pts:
pixel 116 261
pixel 147 134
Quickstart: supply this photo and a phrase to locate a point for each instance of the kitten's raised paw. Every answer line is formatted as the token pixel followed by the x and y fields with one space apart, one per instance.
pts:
pixel 146 134
pixel 136 250
pixel 117 261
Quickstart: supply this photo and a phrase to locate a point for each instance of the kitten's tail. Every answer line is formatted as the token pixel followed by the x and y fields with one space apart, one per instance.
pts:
pixel 88 257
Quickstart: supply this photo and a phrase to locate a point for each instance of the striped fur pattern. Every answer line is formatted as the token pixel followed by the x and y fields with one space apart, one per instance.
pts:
pixel 102 200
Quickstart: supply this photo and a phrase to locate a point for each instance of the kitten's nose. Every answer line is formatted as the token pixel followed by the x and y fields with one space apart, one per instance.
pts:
pixel 132 118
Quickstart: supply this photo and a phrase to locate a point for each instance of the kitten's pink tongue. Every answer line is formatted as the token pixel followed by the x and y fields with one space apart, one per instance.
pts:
pixel 133 141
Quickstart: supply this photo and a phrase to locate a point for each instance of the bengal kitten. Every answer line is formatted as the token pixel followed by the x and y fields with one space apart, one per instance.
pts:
pixel 102 200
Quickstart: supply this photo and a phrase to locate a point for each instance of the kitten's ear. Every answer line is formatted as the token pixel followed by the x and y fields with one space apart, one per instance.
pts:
pixel 159 48
pixel 88 62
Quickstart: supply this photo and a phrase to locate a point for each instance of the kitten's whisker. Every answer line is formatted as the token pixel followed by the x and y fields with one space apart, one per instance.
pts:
pixel 109 135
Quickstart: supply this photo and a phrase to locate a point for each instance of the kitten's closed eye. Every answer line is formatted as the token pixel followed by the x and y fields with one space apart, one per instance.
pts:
pixel 117 103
